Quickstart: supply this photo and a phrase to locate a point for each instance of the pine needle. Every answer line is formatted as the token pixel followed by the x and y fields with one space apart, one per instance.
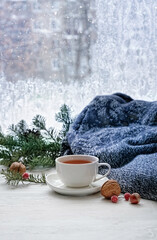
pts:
pixel 14 179
pixel 37 146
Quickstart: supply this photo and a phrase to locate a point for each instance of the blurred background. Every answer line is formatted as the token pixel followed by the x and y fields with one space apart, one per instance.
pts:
pixel 55 51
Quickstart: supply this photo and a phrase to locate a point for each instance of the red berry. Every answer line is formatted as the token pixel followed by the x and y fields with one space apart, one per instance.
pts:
pixel 127 196
pixel 114 199
pixel 135 198
pixel 25 175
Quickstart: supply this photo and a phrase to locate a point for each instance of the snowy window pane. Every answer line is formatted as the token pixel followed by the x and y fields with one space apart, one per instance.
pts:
pixel 55 64
pixel 55 52
pixel 37 6
pixel 55 25
pixel 37 25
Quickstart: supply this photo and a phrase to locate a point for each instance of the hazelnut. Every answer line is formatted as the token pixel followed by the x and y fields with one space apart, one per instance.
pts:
pixel 18 167
pixel 110 188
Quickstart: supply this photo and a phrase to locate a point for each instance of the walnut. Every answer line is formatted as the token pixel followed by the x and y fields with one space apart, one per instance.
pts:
pixel 18 167
pixel 110 188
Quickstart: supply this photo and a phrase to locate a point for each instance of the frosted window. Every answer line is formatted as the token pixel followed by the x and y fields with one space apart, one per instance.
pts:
pixel 55 52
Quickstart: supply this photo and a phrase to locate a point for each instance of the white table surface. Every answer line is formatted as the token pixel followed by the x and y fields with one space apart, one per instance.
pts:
pixel 35 212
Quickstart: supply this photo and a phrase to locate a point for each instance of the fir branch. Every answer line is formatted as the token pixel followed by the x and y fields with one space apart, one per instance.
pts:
pixel 39 122
pixel 18 129
pixel 21 126
pixel 31 145
pixel 9 142
pixel 37 178
pixel 64 116
pixel 13 129
pixel 45 161
pixel 14 179
pixel 1 134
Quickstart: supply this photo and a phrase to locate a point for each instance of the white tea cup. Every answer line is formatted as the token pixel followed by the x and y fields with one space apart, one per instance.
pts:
pixel 79 170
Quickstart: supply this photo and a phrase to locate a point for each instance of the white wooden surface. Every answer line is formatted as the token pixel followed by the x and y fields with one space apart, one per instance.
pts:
pixel 35 212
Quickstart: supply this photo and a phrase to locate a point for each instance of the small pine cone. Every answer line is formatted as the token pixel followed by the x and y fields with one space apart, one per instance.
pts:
pixel 110 188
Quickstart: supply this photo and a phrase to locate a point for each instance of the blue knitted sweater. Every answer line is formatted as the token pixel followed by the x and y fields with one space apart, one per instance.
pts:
pixel 122 132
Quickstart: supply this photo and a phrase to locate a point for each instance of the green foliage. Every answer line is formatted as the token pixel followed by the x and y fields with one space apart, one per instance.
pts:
pixel 14 179
pixel 37 146
pixel 39 122
pixel 64 116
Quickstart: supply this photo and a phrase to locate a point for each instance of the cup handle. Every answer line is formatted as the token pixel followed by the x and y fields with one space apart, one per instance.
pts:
pixel 109 170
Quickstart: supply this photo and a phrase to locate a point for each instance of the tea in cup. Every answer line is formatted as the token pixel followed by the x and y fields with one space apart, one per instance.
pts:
pixel 79 170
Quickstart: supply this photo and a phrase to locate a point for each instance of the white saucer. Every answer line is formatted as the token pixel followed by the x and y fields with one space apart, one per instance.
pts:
pixel 56 184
